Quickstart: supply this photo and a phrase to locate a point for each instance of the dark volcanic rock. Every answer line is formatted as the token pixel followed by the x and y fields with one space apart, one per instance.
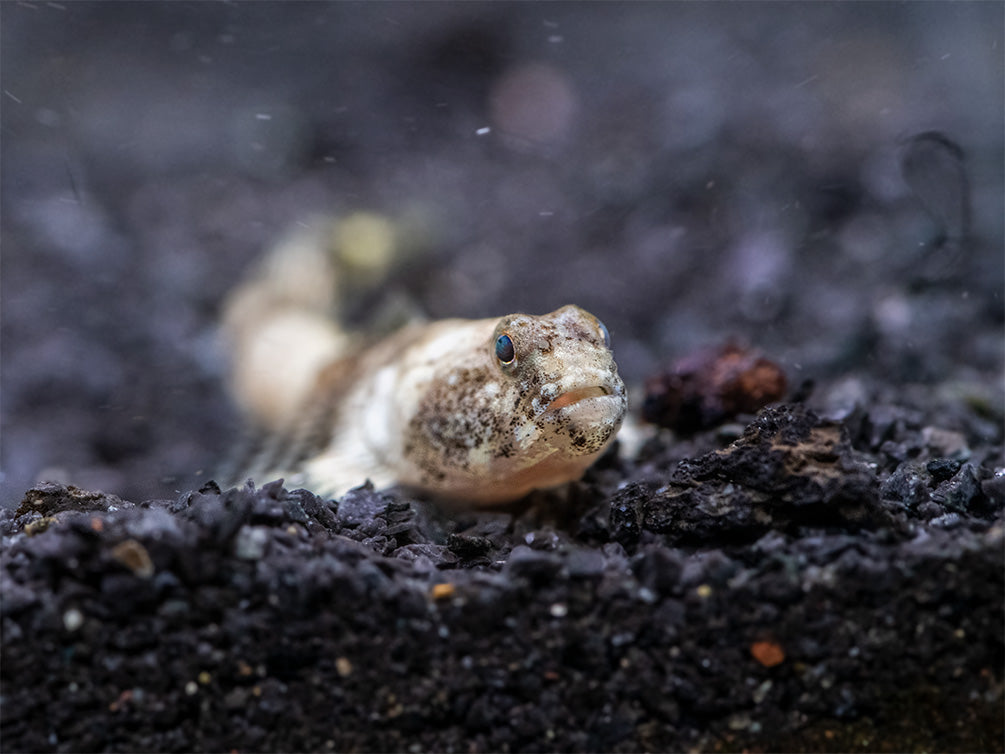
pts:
pixel 789 471
pixel 265 619
pixel 711 386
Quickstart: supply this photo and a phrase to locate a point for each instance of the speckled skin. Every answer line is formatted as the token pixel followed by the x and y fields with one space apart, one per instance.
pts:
pixel 434 408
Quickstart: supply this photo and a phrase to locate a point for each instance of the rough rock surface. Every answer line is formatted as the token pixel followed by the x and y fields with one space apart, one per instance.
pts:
pixel 772 594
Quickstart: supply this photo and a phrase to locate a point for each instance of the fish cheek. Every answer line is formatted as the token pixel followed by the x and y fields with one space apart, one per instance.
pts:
pixel 453 424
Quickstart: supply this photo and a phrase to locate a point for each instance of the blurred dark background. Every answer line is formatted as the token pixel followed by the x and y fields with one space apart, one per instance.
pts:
pixel 688 172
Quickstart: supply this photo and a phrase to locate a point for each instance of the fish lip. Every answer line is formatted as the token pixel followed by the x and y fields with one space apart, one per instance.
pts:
pixel 572 397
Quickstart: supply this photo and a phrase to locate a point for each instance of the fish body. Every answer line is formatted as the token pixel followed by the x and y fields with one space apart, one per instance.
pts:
pixel 478 412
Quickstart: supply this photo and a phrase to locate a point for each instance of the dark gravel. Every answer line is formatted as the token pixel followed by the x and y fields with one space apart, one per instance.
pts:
pixel 771 595
pixel 821 183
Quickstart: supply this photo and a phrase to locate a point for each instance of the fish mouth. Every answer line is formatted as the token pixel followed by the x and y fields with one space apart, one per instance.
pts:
pixel 572 397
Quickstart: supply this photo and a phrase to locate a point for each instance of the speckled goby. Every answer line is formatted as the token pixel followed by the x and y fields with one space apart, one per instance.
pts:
pixel 477 412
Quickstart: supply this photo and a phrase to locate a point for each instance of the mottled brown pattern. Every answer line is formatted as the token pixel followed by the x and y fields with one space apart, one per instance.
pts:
pixel 453 418
pixel 502 436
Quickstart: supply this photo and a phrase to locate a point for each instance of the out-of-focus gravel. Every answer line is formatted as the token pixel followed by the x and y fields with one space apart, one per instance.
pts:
pixel 691 173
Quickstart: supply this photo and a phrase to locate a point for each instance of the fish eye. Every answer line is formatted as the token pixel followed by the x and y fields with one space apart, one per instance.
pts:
pixel 505 351
pixel 606 335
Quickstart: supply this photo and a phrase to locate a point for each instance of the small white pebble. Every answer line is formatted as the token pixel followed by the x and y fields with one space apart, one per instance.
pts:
pixel 73 619
pixel 343 666
pixel 250 543
pixel 484 130
pixel 559 610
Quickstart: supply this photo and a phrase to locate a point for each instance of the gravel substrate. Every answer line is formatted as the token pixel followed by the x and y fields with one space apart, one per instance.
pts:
pixel 770 595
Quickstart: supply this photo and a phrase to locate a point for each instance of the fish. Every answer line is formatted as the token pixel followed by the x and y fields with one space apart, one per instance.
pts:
pixel 474 412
